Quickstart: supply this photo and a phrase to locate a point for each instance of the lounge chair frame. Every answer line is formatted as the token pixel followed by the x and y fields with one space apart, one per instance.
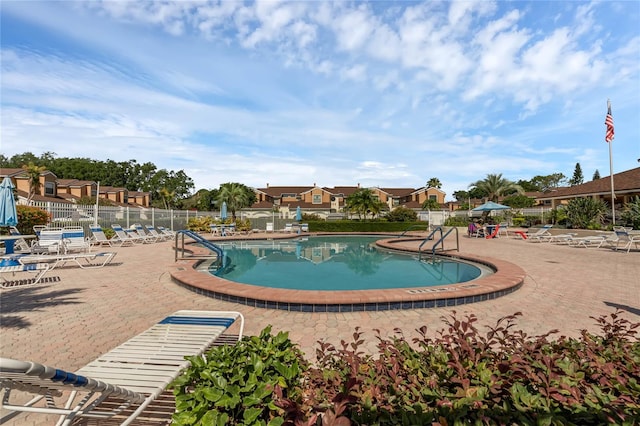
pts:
pixel 39 269
pixel 134 373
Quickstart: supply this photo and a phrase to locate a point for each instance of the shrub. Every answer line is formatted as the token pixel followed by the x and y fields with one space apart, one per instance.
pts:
pixel 456 221
pixel 402 214
pixel 631 213
pixel 29 216
pixel 585 212
pixel 200 224
pixel 235 384
pixel 461 376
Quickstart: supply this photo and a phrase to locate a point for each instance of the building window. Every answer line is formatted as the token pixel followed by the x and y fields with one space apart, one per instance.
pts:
pixel 50 188
pixel 317 199
pixel 396 201
pixel 433 197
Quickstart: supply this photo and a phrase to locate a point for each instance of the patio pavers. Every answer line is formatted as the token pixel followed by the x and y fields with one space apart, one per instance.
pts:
pixel 82 313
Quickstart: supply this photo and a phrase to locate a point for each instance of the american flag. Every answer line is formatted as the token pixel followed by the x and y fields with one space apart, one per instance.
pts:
pixel 608 121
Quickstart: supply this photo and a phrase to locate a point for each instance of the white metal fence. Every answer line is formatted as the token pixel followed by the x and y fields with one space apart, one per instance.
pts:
pixel 65 214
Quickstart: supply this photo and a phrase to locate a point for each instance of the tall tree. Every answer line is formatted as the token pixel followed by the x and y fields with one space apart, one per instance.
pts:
pixel 33 173
pixel 494 185
pixel 578 177
pixel 548 182
pixel 363 202
pixel 596 175
pixel 434 182
pixel 236 195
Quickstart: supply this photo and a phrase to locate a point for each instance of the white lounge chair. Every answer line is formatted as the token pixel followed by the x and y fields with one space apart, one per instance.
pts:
pixel 125 236
pixel 74 240
pixel 20 244
pixel 131 375
pixel 152 231
pixel 587 241
pixel 98 238
pixel 625 240
pixel 142 233
pixel 87 260
pixel 269 227
pixel 168 232
pixel 39 269
pixel 539 235
pixel 288 227
pixel 49 241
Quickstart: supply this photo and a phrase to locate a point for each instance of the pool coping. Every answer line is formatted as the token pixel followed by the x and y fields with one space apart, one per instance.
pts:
pixel 507 278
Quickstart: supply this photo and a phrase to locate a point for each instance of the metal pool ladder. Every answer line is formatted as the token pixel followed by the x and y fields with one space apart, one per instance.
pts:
pixel 439 232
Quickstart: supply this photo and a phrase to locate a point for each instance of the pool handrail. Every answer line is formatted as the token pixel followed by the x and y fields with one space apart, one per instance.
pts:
pixel 440 241
pixel 412 227
pixel 200 240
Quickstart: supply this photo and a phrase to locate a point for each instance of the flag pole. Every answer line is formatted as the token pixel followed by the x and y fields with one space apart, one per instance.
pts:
pixel 609 138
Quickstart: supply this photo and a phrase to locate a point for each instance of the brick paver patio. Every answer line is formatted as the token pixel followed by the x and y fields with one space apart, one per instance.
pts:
pixel 82 313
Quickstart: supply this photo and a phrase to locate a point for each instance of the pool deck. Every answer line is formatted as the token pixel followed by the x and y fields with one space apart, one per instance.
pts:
pixel 79 314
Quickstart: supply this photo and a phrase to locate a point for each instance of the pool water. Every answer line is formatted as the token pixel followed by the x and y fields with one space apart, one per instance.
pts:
pixel 336 263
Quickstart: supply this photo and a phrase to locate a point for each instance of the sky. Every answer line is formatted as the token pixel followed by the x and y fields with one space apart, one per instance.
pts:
pixel 382 94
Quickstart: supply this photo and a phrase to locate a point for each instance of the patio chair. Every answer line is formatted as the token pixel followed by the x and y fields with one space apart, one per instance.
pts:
pixel 269 227
pixel 627 240
pixel 168 232
pixel 74 240
pixel 98 237
pixel 86 260
pixel 493 233
pixel 39 269
pixel 128 377
pixel 539 235
pixel 288 227
pixel 49 241
pixel 125 236
pixel 142 233
pixel 152 231
pixel 587 241
pixel 304 227
pixel 20 244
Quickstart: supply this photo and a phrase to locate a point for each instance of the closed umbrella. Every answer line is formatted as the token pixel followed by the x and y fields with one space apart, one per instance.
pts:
pixel 8 214
pixel 298 214
pixel 223 211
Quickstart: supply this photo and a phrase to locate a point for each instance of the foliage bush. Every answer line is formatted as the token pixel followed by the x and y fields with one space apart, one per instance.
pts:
pixel 457 221
pixel 29 216
pixel 402 214
pixel 461 376
pixel 234 384
pixel 586 212
pixel 631 213
pixel 200 224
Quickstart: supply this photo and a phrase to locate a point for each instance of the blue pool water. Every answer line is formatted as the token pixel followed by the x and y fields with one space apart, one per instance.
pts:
pixel 335 263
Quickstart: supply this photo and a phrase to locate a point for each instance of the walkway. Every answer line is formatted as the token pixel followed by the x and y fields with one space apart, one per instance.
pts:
pixel 73 320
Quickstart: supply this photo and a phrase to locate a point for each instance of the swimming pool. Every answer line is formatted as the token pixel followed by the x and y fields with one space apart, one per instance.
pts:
pixel 337 263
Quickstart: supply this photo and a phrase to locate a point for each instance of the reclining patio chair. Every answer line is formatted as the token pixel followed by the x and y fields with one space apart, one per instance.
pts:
pixel 126 237
pixel 128 377
pixel 87 260
pixel 49 241
pixel 159 237
pixel 98 237
pixel 74 240
pixel 20 244
pixel 39 269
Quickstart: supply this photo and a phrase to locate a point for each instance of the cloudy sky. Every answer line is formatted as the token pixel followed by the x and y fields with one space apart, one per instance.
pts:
pixel 379 93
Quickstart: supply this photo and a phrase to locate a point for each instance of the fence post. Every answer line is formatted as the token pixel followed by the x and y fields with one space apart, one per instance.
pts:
pixel 153 217
pixel 127 212
pixel 171 212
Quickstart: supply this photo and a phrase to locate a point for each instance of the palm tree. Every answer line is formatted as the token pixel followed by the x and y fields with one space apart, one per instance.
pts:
pixel 236 195
pixel 434 182
pixel 495 186
pixel 167 197
pixel 363 202
pixel 33 173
